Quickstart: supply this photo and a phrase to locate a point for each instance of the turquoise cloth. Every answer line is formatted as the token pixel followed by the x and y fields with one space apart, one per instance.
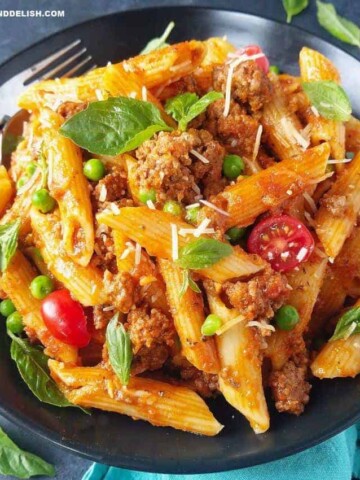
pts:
pixel 335 459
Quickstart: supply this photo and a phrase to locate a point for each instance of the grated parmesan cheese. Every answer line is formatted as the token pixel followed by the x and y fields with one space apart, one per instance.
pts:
pixel 229 324
pixel 199 156
pixel 180 66
pixel 144 93
pixel 262 326
pixel 150 204
pixel 350 330
pixel 315 111
pixel 132 95
pixel 294 133
pixel 190 231
pixel 103 193
pixel 99 94
pixel 342 160
pixel 115 209
pixel 302 254
pixel 214 207
pixel 193 205
pixel 202 227
pixel 174 242
pixel 310 202
pixel 137 253
pixel 321 179
pixel 109 308
pixel 257 142
pixel 196 189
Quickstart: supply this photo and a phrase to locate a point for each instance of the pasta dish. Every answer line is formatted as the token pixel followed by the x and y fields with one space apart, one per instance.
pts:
pixel 182 225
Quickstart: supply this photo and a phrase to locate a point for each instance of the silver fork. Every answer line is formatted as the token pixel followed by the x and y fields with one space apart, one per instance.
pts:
pixel 11 119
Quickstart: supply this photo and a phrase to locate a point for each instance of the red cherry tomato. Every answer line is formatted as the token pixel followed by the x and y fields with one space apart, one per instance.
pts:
pixel 281 240
pixel 262 62
pixel 65 318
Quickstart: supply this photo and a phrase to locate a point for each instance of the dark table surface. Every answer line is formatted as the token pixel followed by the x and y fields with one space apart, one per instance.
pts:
pixel 18 33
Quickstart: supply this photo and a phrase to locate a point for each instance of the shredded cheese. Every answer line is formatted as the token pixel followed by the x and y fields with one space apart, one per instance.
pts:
pixel 132 95
pixel 180 66
pixel 137 253
pixel 196 188
pixel 214 207
pixel 321 179
pixel 264 327
pixel 320 253
pixel 109 308
pixel 174 242
pixel 342 160
pixel 315 111
pixel 229 324
pixel 103 193
pixel 199 156
pixel 193 205
pixel 202 227
pixel 115 209
pixel 150 204
pixel 350 330
pixel 302 254
pixel 257 142
pixel 294 133
pixel 99 94
pixel 183 232
pixel 310 202
pixel 144 93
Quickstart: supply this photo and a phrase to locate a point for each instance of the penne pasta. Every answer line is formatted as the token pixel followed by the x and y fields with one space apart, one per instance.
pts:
pixel 352 135
pixel 337 215
pixel 188 314
pixel 85 283
pixel 70 189
pixel 15 282
pixel 152 230
pixel 157 402
pixel 267 189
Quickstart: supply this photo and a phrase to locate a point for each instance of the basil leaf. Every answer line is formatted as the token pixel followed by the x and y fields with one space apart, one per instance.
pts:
pixel 21 464
pixel 187 106
pixel 119 347
pixel 32 364
pixel 294 7
pixel 8 242
pixel 348 324
pixel 158 42
pixel 203 253
pixel 114 126
pixel 338 27
pixel 329 98
pixel 187 282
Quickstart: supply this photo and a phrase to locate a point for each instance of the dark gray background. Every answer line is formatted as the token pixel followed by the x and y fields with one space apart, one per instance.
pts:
pixel 18 33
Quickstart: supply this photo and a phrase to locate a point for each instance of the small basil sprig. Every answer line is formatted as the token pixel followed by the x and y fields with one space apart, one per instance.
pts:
pixel 32 364
pixel 349 322
pixel 9 234
pixel 188 282
pixel 294 7
pixel 20 464
pixel 339 27
pixel 186 106
pixel 119 348
pixel 114 126
pixel 203 253
pixel 329 98
pixel 158 42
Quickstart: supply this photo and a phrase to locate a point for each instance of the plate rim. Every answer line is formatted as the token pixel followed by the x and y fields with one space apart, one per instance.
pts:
pixel 165 466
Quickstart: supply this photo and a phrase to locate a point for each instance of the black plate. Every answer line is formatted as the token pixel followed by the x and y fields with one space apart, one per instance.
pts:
pixel 118 440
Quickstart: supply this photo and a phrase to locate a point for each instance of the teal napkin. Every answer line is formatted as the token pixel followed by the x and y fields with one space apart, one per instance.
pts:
pixel 335 459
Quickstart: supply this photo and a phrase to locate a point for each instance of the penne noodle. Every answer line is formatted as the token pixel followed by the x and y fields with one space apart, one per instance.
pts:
pixel 267 189
pixel 157 402
pixel 336 218
pixel 352 135
pixel 188 315
pixel 6 189
pixel 15 282
pixel 152 230
pixel 85 283
pixel 68 185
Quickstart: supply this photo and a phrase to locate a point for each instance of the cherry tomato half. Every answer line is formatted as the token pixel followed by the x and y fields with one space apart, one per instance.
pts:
pixel 262 62
pixel 65 318
pixel 281 240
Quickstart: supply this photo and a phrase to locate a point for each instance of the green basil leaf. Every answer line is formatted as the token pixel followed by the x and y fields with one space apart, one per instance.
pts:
pixel 348 324
pixel 338 27
pixel 186 106
pixel 179 106
pixel 329 98
pixel 203 253
pixel 188 282
pixel 9 234
pixel 32 364
pixel 158 42
pixel 20 464
pixel 119 347
pixel 114 126
pixel 294 7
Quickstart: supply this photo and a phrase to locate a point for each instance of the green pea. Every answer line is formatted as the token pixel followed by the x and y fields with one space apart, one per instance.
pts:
pixel 235 234
pixel 211 325
pixel 173 207
pixel 146 195
pixel 14 323
pixel 233 166
pixel 274 69
pixel 41 286
pixel 192 215
pixel 94 169
pixel 43 201
pixel 350 155
pixel 286 317
pixel 31 169
pixel 22 180
pixel 7 307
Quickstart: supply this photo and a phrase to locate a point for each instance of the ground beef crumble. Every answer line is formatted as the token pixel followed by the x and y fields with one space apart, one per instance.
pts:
pixel 289 385
pixel 120 289
pixel 152 335
pixel 167 165
pixel 68 109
